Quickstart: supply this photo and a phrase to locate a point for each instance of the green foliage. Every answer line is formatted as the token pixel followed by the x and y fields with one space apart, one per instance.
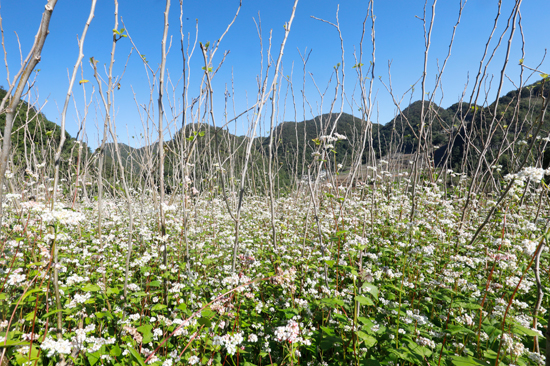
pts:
pixel 118 34
pixel 295 142
pixel 35 137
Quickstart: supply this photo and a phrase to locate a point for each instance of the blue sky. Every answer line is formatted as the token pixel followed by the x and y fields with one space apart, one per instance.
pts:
pixel 399 40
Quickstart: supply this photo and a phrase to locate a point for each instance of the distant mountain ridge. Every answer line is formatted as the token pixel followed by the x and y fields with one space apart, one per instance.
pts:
pixel 34 140
pixel 293 142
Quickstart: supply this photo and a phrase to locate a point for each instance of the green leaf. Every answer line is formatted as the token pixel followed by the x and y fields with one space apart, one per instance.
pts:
pixel 154 284
pixel 330 262
pixel 94 358
pixel 398 289
pixel 329 331
pixel 136 356
pixel 520 329
pixel 364 300
pixel 372 289
pixel 456 329
pixel 103 314
pixel 333 302
pixel 33 264
pixel 368 339
pixel 290 313
pixel 341 317
pixel 329 342
pixel 368 324
pixel 146 331
pixel 13 342
pixel 158 307
pixel 369 362
pixel 468 305
pixel 405 354
pixel 115 351
pixel 207 313
pixel 467 361
pixel 91 288
pixel 490 354
pixel 22 359
pixel 419 350
pixel 205 321
pixel 51 313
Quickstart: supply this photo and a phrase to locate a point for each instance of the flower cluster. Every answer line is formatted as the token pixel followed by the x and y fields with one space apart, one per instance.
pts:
pixel 286 278
pixel 134 333
pixel 513 347
pixel 79 299
pixel 229 341
pixel 529 173
pixel 16 278
pixel 52 347
pixel 289 333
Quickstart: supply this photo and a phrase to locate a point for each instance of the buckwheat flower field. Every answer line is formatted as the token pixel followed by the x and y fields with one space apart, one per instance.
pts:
pixel 274 183
pixel 358 284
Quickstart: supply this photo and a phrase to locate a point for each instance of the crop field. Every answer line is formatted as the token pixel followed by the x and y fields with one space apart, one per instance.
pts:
pixel 342 194
pixel 350 280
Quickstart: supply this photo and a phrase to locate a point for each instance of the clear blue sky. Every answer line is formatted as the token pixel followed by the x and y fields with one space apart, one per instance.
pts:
pixel 399 39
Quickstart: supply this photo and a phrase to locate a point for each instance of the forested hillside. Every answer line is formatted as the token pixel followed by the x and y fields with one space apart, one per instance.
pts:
pixel 217 150
pixel 35 139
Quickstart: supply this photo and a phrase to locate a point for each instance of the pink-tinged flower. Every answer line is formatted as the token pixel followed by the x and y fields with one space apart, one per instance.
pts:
pixel 289 333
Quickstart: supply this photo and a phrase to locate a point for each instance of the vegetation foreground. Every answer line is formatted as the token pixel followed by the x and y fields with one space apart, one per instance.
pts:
pixel 368 286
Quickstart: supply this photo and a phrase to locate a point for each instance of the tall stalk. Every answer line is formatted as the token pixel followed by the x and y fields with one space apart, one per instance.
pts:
pixel 427 43
pixel 260 104
pixel 161 137
pixel 32 59
pixel 107 101
pixel 57 158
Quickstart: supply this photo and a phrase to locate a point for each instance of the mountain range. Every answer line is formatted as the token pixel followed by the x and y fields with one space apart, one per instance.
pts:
pixel 453 137
pixel 445 139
